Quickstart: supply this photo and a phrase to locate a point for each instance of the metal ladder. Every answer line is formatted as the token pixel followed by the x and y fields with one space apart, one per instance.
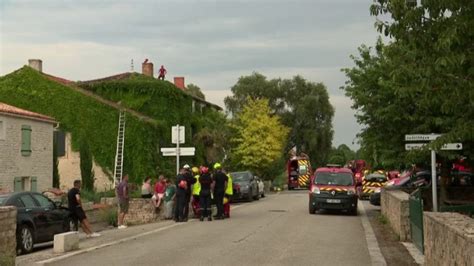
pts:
pixel 118 170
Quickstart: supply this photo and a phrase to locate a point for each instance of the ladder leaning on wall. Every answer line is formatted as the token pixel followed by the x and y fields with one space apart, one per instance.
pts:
pixel 118 170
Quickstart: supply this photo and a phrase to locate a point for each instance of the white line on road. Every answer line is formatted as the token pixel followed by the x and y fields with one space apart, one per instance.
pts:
pixel 374 250
pixel 51 260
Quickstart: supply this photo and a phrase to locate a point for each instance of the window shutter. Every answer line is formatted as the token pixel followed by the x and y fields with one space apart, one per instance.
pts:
pixel 17 184
pixel 34 184
pixel 25 140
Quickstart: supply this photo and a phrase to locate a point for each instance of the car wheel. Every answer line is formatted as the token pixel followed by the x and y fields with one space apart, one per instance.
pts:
pixel 257 196
pixel 353 211
pixel 312 210
pixel 25 239
pixel 249 196
pixel 263 194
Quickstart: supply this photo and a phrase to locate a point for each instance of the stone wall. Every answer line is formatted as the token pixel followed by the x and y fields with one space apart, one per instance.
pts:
pixel 395 207
pixel 449 239
pixel 141 211
pixel 38 164
pixel 7 235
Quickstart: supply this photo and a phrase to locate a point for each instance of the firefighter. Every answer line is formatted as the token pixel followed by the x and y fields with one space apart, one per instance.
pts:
pixel 205 181
pixel 227 197
pixel 196 191
pixel 181 187
pixel 220 185
pixel 188 176
pixel 162 72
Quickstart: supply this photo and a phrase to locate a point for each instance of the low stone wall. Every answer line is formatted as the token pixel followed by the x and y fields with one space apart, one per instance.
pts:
pixel 449 238
pixel 395 207
pixel 141 211
pixel 7 235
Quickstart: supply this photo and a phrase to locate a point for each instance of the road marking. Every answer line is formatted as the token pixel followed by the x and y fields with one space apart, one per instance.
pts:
pixel 74 253
pixel 44 262
pixel 374 250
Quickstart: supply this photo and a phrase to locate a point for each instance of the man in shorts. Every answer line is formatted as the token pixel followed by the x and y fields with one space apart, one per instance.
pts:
pixel 123 200
pixel 75 207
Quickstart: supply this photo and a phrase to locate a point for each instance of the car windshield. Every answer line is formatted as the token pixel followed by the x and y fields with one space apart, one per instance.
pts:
pixel 337 179
pixel 240 176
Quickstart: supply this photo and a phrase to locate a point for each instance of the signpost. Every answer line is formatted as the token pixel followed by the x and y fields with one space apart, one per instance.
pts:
pixel 177 137
pixel 416 146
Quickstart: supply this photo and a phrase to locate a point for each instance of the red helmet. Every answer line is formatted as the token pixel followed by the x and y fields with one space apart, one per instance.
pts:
pixel 204 170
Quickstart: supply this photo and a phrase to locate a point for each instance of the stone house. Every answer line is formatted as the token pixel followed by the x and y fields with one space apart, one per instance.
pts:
pixel 26 150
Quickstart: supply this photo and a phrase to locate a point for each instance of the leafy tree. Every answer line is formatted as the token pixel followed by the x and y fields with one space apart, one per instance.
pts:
pixel 87 175
pixel 260 137
pixel 341 155
pixel 195 91
pixel 419 82
pixel 303 106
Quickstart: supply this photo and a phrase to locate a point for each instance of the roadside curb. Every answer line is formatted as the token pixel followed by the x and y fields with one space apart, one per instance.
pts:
pixel 376 256
pixel 415 253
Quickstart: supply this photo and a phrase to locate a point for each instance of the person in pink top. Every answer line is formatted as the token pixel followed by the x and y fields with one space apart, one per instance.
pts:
pixel 160 188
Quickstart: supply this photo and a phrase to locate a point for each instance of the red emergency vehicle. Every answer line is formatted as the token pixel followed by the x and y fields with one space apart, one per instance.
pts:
pixel 299 172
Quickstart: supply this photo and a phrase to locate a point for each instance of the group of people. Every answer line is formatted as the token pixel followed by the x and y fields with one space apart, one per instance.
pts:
pixel 204 187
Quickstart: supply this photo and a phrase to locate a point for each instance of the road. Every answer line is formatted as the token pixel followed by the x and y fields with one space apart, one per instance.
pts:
pixel 277 230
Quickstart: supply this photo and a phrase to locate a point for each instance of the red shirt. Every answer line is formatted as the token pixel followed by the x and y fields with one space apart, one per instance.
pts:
pixel 160 187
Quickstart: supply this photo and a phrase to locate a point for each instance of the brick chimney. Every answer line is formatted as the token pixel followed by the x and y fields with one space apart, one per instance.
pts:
pixel 147 68
pixel 36 64
pixel 179 82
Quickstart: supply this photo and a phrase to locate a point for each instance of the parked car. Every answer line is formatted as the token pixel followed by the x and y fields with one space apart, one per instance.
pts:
pixel 38 218
pixel 245 186
pixel 261 187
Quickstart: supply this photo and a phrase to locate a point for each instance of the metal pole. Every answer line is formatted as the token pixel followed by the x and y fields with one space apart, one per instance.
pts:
pixel 434 181
pixel 177 150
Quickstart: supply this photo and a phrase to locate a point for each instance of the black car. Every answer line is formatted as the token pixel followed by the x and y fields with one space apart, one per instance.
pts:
pixel 38 218
pixel 245 186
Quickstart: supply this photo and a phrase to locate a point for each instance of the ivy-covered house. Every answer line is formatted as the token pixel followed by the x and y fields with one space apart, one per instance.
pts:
pixel 88 113
pixel 26 150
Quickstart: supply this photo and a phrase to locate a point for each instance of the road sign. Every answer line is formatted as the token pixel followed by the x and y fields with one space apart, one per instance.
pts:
pixel 421 137
pixel 174 134
pixel 188 151
pixel 414 146
pixel 452 146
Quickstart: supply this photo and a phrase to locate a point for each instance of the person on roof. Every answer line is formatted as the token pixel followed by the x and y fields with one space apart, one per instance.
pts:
pixel 162 72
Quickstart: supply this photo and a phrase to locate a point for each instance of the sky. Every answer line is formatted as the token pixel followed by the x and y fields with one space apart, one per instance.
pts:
pixel 210 43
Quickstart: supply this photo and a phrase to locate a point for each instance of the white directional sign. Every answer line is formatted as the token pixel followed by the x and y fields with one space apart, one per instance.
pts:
pixel 421 137
pixel 188 151
pixel 452 146
pixel 414 146
pixel 174 134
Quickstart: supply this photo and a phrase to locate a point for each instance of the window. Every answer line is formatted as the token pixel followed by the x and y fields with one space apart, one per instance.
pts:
pixel 18 203
pixel 25 183
pixel 43 201
pixel 25 140
pixel 28 201
pixel 2 130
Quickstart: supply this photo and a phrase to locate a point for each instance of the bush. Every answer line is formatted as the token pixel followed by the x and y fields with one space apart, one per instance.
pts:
pixel 109 215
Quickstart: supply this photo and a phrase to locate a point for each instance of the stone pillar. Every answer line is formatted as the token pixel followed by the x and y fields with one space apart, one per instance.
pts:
pixel 7 235
pixel 36 64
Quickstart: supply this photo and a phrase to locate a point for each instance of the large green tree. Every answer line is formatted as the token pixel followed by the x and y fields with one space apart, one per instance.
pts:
pixel 421 81
pixel 304 107
pixel 195 91
pixel 259 138
pixel 341 155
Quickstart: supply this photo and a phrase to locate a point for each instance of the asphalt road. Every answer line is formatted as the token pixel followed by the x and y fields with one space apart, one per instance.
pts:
pixel 277 230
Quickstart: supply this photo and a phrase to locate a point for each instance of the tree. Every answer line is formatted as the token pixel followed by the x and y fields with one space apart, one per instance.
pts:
pixel 195 91
pixel 87 175
pixel 260 137
pixel 341 155
pixel 303 106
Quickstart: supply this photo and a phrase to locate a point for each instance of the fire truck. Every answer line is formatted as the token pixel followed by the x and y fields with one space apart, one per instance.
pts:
pixel 299 172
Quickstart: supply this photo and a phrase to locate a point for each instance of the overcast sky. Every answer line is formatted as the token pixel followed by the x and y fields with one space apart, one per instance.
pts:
pixel 211 43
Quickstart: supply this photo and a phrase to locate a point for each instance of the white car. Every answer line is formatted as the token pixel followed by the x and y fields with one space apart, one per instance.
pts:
pixel 261 187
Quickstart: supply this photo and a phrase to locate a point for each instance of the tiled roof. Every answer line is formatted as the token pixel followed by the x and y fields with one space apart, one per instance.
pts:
pixel 8 109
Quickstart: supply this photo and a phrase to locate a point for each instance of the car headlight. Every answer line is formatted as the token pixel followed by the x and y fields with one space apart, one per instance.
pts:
pixel 389 183
pixel 377 190
pixel 351 192
pixel 316 190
